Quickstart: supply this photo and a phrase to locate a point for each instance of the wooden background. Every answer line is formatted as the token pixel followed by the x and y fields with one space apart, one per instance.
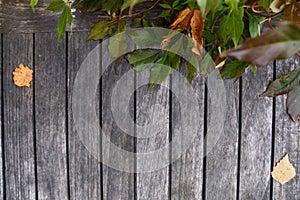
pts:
pixel 42 157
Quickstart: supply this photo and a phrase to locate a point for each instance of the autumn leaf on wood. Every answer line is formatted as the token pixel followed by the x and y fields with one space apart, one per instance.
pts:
pixel 284 171
pixel 283 84
pixel 191 19
pixel 22 76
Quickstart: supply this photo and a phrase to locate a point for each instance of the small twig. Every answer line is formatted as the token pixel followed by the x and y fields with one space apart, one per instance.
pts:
pixel 269 24
pixel 141 12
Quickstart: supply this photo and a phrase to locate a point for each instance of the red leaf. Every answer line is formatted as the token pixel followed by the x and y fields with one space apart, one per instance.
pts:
pixel 280 43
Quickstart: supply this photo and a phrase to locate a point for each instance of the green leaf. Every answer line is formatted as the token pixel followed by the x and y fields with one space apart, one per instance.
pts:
pixel 145 37
pixel 254 69
pixel 207 65
pixel 112 6
pixel 163 68
pixel 121 27
pixel 33 3
pixel 56 5
pixel 280 43
pixel 233 4
pixel 264 3
pixel 117 44
pixel 145 23
pixel 165 6
pixel 254 24
pixel 137 21
pixel 202 6
pixel 142 58
pixel 207 5
pixel 101 29
pixel 232 25
pixel 125 5
pixel 130 4
pixel 62 22
pixel 89 5
pixel 192 69
pixel 175 3
pixel 234 69
pixel 293 103
pixel 69 17
pixel 164 13
pixel 283 85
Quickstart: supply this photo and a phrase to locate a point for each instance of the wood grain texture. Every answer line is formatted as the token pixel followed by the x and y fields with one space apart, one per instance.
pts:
pixel 152 119
pixel 16 16
pixel 221 161
pixel 256 136
pixel 117 183
pixel 1 131
pixel 18 120
pixel 85 170
pixel 287 137
pixel 187 171
pixel 50 100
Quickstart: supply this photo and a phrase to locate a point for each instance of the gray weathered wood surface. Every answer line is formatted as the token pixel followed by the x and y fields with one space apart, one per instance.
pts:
pixel 35 144
pixel 42 155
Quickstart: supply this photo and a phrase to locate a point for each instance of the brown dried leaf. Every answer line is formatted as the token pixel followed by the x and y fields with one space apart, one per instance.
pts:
pixel 292 13
pixel 22 76
pixel 197 26
pixel 284 171
pixel 183 19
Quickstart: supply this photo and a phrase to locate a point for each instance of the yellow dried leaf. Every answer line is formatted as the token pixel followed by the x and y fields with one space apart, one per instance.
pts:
pixel 284 171
pixel 22 76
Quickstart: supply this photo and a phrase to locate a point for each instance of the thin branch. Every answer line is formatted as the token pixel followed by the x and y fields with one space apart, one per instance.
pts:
pixel 141 12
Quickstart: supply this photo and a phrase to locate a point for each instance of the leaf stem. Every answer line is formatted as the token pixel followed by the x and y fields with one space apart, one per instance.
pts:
pixel 141 12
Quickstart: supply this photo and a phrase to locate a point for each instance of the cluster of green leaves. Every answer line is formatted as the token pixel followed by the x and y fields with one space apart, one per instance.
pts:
pixel 231 32
pixel 65 16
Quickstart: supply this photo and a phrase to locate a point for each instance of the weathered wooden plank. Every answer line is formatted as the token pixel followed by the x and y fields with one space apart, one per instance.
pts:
pixel 18 120
pixel 1 131
pixel 256 136
pixel 85 169
pixel 152 132
pixel 118 182
pixel 287 137
pixel 222 142
pixel 50 104
pixel 187 171
pixel 16 16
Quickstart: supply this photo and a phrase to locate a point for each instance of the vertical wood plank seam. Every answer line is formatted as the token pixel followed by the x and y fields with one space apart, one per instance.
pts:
pixel 2 120
pixel 273 132
pixel 170 139
pixel 204 141
pixel 34 119
pixel 135 136
pixel 100 121
pixel 239 136
pixel 67 115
